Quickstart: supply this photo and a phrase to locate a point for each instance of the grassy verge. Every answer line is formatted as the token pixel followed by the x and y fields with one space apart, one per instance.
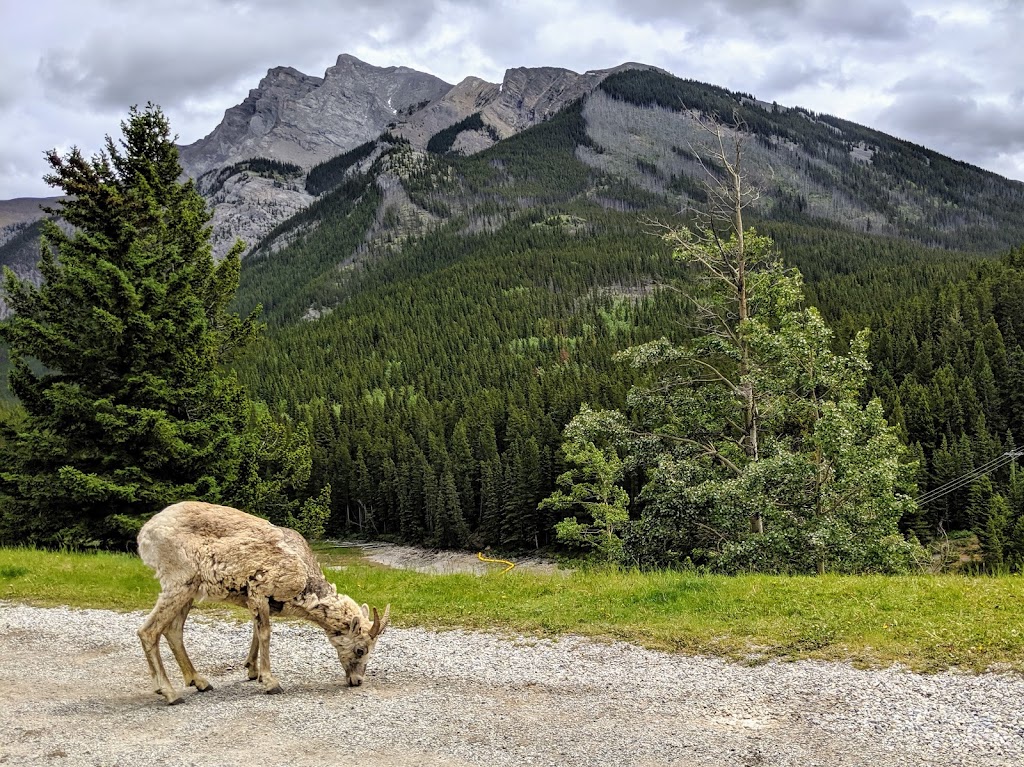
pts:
pixel 927 623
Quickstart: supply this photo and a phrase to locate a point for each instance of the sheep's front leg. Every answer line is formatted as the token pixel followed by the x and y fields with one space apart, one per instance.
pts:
pixel 260 608
pixel 168 606
pixel 252 669
pixel 175 639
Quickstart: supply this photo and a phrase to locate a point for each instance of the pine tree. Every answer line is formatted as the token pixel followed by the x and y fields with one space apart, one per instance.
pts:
pixel 133 409
pixel 992 533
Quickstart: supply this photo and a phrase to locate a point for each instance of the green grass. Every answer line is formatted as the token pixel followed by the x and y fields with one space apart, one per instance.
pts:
pixel 926 623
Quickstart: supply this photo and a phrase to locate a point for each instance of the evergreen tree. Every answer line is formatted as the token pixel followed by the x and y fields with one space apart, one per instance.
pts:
pixel 132 409
pixel 993 533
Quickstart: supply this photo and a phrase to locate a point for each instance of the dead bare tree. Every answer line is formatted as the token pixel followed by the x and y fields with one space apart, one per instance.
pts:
pixel 724 256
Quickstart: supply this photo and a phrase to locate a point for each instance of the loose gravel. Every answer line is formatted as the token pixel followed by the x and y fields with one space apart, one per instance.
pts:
pixel 74 690
pixel 443 562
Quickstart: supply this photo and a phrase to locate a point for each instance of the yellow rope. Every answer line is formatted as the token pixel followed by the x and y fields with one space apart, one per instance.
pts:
pixel 482 558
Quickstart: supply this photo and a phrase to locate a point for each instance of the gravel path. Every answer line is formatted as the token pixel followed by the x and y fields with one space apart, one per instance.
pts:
pixel 440 561
pixel 74 690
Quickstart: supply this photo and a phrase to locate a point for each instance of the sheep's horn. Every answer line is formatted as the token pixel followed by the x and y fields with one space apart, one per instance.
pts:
pixel 379 623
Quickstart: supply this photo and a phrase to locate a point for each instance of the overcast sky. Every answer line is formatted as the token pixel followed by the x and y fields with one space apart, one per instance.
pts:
pixel 940 73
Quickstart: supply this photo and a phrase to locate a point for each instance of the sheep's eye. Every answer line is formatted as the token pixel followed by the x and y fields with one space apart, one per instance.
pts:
pixel 360 652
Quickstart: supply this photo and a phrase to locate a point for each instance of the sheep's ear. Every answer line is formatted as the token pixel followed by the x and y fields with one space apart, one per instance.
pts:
pixel 366 610
pixel 355 624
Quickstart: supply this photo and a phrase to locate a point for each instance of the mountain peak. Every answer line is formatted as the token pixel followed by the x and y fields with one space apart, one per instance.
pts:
pixel 299 118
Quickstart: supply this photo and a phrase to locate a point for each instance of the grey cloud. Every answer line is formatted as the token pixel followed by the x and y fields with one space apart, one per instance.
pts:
pixel 792 71
pixel 935 82
pixel 779 19
pixel 105 78
pixel 171 57
pixel 955 124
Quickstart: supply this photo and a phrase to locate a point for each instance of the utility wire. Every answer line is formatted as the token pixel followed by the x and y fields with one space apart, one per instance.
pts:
pixel 966 478
pixel 959 482
pixel 970 476
pixel 977 473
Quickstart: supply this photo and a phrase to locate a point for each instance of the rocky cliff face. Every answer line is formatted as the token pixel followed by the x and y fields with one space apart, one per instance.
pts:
pixel 530 96
pixel 525 97
pixel 468 97
pixel 293 117
pixel 297 118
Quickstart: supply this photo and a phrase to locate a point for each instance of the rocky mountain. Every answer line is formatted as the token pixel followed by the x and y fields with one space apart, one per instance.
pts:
pixel 298 119
pixel 635 131
pixel 19 212
pixel 19 236
pixel 525 97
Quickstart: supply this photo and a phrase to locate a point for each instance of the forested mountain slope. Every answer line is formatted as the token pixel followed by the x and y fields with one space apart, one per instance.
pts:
pixel 439 308
pixel 436 319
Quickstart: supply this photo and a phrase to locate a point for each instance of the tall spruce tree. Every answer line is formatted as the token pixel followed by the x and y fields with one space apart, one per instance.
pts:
pixel 118 355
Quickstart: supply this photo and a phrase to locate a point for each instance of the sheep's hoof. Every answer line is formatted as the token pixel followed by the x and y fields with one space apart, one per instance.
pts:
pixel 201 684
pixel 169 694
pixel 251 674
pixel 274 690
pixel 173 697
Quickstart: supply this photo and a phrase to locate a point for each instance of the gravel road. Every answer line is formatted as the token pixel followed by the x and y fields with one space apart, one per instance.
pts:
pixel 74 691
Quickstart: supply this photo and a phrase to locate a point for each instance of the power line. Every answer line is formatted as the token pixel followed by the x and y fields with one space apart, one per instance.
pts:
pixel 977 473
pixel 970 476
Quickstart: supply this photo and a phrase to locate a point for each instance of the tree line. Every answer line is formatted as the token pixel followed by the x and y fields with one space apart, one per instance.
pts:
pixel 478 384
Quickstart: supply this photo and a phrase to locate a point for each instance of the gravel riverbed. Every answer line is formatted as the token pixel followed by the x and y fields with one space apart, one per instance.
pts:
pixel 74 690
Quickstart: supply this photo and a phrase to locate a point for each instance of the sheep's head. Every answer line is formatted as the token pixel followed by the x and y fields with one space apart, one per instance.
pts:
pixel 354 636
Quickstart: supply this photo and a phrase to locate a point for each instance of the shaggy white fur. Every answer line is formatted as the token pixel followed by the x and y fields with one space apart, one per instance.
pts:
pixel 201 550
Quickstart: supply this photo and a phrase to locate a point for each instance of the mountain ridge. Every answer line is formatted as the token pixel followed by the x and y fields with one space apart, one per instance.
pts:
pixel 639 122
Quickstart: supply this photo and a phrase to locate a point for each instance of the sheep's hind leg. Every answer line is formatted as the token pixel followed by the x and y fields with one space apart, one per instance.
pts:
pixel 168 604
pixel 176 641
pixel 252 668
pixel 260 608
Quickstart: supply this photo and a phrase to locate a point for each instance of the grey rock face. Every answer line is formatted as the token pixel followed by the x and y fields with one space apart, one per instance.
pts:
pixel 248 206
pixel 526 96
pixel 297 118
pixel 469 96
pixel 530 96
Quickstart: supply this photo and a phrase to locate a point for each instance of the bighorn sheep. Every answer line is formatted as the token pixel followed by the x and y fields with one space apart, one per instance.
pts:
pixel 216 552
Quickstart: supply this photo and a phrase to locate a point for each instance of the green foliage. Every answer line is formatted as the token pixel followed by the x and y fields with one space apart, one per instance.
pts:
pixel 443 141
pixel 274 472
pixel 946 365
pixel 306 273
pixel 591 486
pixel 132 409
pixel 389 420
pixel 756 418
pixel 538 165
pixel 325 176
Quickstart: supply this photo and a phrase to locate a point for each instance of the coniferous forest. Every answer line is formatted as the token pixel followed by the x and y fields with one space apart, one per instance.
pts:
pixel 540 351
